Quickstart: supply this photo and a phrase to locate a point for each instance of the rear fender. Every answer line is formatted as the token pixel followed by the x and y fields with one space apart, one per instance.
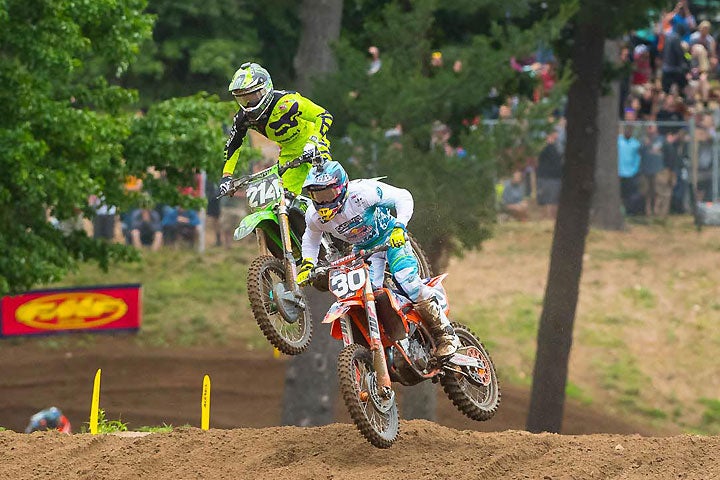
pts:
pixel 436 284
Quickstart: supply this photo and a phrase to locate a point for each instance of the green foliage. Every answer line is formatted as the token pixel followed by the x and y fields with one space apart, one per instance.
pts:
pixel 105 425
pixel 196 45
pixel 641 296
pixel 454 194
pixel 711 415
pixel 164 428
pixel 178 137
pixel 188 299
pixel 61 128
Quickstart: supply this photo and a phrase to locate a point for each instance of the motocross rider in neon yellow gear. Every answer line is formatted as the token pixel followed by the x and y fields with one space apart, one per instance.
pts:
pixel 294 122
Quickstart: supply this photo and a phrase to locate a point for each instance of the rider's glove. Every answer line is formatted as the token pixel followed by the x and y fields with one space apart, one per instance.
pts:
pixel 397 236
pixel 225 185
pixel 305 269
pixel 312 145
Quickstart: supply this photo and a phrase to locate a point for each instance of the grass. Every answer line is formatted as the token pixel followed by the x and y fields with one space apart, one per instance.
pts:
pixel 646 315
pixel 188 298
pixel 164 428
pixel 105 425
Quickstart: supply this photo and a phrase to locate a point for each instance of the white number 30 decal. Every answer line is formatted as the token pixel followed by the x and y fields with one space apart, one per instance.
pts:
pixel 342 283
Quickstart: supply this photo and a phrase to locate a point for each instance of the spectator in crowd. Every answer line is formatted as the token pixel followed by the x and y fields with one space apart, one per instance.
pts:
pixel 146 228
pixel 669 112
pixel 104 220
pixel 232 211
pixel 648 101
pixel 436 59
pixel 651 163
pixel 628 167
pixel 642 70
pixel 49 419
pixel 375 62
pixel 213 209
pixel 549 173
pixel 513 200
pixel 180 223
pixel 674 65
pixel 698 89
pixel 440 138
pixel 702 37
pixel 705 137
pixel 666 178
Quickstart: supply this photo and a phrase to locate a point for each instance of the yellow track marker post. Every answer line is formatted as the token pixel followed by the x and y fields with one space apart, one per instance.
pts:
pixel 95 404
pixel 205 404
pixel 276 353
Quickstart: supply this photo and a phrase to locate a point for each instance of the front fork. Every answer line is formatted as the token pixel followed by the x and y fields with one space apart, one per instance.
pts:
pixel 376 347
pixel 288 259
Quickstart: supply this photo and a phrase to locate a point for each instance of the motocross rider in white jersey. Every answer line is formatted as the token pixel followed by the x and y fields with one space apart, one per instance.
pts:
pixel 359 213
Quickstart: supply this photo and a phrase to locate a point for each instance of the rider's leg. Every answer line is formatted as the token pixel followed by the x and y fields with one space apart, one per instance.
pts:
pixel 404 267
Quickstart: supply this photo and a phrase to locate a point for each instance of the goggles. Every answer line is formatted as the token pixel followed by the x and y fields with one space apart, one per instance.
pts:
pixel 249 99
pixel 326 195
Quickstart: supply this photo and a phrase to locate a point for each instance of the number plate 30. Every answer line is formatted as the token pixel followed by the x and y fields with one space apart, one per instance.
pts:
pixel 345 284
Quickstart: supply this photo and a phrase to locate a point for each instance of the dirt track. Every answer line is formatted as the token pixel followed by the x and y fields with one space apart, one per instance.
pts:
pixel 425 450
pixel 150 387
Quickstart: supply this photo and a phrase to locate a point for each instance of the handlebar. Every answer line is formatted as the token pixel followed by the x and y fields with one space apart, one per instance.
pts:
pixel 319 272
pixel 307 157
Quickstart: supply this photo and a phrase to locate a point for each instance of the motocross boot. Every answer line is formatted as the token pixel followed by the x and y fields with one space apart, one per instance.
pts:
pixel 439 326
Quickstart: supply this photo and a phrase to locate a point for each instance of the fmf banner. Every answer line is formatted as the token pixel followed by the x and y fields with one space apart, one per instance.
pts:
pixel 86 309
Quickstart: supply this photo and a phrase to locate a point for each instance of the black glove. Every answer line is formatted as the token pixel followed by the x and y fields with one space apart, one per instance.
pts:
pixel 225 185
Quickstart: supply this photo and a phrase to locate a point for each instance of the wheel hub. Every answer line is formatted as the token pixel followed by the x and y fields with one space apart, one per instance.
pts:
pixel 289 306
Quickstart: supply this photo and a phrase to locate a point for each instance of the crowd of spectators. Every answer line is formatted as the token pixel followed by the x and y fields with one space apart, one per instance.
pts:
pixel 670 102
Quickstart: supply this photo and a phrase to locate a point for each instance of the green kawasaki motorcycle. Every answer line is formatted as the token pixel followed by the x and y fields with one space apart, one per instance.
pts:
pixel 278 219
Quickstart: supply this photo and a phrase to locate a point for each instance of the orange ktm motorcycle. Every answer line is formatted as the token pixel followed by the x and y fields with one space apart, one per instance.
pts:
pixel 386 341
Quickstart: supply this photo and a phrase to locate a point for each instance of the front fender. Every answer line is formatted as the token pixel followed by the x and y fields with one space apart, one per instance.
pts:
pixel 335 312
pixel 248 224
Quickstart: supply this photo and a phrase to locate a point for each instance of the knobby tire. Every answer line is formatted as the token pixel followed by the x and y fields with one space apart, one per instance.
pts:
pixel 259 285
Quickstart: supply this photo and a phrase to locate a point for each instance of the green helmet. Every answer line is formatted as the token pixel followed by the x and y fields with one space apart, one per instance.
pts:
pixel 252 88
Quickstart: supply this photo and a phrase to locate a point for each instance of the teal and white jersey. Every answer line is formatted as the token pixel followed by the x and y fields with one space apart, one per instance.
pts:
pixel 365 220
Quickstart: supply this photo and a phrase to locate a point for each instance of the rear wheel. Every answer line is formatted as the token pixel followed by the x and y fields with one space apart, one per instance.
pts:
pixel 265 277
pixel 376 417
pixel 424 269
pixel 478 394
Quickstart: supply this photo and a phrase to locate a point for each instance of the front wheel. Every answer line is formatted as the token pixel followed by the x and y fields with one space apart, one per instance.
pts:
pixel 376 417
pixel 476 394
pixel 266 280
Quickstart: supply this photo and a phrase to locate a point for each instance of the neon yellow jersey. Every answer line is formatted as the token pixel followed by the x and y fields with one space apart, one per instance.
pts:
pixel 290 120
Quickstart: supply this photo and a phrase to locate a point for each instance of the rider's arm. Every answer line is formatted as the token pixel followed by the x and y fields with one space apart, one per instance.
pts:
pixel 399 198
pixel 316 114
pixel 311 238
pixel 232 147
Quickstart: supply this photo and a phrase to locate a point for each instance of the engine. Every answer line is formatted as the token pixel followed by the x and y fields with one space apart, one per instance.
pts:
pixel 417 351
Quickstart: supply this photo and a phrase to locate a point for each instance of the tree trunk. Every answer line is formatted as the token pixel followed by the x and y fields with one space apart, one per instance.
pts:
pixel 418 401
pixel 607 206
pixel 556 322
pixel 311 377
pixel 320 27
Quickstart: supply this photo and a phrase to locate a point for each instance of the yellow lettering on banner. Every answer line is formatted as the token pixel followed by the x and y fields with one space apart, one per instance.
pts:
pixel 95 403
pixel 71 310
pixel 205 404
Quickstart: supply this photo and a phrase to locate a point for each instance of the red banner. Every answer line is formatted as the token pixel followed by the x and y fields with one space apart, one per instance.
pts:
pixel 85 309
